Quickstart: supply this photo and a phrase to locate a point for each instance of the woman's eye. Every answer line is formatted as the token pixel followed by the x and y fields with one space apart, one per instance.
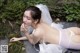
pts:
pixel 27 17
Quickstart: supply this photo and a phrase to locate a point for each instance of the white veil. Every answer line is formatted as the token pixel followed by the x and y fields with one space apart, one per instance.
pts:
pixel 45 13
pixel 46 16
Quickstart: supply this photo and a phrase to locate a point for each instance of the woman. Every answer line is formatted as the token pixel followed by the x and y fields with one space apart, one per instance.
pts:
pixel 44 18
pixel 68 38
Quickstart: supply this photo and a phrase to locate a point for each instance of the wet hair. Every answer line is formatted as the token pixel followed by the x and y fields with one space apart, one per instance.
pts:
pixel 35 13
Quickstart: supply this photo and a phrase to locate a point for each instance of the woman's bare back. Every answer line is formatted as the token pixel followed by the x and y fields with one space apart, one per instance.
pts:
pixel 50 34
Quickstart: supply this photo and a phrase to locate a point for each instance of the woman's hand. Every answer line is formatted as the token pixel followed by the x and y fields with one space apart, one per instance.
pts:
pixel 14 39
pixel 23 27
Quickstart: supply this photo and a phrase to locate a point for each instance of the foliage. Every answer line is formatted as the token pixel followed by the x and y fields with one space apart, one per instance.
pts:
pixel 9 30
pixel 13 9
pixel 72 11
pixel 68 11
pixel 16 47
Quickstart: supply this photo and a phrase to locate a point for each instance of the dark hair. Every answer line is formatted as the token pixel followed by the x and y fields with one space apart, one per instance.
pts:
pixel 35 13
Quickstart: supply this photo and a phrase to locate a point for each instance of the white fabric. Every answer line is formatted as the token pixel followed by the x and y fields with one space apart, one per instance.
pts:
pixel 57 26
pixel 45 17
pixel 50 48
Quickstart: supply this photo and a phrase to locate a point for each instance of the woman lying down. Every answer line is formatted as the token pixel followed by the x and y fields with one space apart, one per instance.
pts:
pixel 68 38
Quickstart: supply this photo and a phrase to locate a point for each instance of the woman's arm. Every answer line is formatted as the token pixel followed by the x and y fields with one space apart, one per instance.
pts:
pixel 34 37
pixel 17 39
pixel 22 38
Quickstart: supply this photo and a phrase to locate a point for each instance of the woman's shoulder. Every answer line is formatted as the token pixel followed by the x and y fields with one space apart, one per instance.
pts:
pixel 37 31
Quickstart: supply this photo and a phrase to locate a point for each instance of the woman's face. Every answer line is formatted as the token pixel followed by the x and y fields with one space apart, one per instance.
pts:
pixel 27 19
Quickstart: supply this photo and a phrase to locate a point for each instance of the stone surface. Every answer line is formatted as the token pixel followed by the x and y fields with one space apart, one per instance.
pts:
pixel 3 42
